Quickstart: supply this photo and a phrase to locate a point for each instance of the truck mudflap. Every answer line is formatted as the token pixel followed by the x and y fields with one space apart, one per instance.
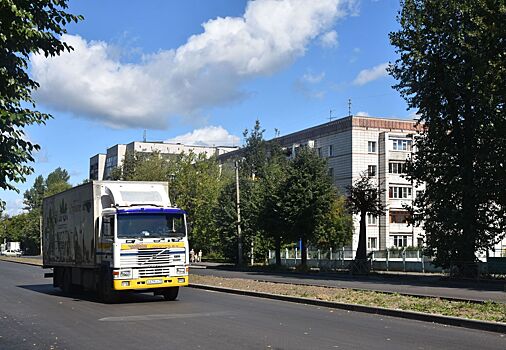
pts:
pixel 150 282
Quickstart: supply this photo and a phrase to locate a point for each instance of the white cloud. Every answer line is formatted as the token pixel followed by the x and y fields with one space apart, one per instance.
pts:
pixel 367 75
pixel 208 136
pixel 14 206
pixel 362 114
pixel 329 39
pixel 208 70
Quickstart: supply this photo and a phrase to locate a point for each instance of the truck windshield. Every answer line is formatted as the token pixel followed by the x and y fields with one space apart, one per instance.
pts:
pixel 150 225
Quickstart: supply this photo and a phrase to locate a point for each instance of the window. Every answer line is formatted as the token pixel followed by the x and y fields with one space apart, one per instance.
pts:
pixel 372 243
pixel 372 220
pixel 401 145
pixel 331 173
pixel 396 168
pixel 371 170
pixel 398 192
pixel 399 217
pixel 400 241
pixel 319 151
pixel 108 226
pixel 331 150
pixel 371 146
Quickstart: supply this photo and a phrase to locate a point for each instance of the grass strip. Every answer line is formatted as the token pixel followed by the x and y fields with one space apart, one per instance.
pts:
pixel 488 311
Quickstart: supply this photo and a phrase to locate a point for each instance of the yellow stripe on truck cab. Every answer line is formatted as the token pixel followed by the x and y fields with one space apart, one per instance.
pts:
pixel 152 245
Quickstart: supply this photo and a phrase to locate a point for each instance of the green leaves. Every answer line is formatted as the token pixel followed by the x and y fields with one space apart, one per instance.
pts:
pixel 452 71
pixel 26 27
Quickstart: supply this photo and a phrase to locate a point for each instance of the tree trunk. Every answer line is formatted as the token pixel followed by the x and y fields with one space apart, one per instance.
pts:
pixel 277 248
pixel 362 238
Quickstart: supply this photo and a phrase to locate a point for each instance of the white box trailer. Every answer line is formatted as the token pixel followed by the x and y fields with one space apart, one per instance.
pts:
pixel 114 236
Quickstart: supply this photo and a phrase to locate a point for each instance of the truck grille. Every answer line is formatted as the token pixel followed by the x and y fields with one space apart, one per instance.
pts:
pixel 152 258
pixel 155 271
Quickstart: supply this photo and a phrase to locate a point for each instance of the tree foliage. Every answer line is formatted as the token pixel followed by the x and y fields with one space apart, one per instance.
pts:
pixel 363 199
pixel 308 194
pixel 26 27
pixel 452 69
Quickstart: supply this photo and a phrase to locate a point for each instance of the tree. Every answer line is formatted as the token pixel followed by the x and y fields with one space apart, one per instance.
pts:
pixel 336 230
pixel 254 152
pixel 452 71
pixel 308 194
pixel 363 199
pixel 26 27
pixel 57 181
pixel 195 185
pixel 33 196
pixel 271 217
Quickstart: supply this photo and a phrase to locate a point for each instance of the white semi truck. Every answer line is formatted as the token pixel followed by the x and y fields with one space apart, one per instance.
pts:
pixel 112 236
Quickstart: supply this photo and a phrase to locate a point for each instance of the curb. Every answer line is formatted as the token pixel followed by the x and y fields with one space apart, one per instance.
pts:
pixel 22 262
pixel 412 315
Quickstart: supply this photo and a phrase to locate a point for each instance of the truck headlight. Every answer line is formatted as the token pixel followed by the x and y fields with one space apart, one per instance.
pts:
pixel 181 270
pixel 125 274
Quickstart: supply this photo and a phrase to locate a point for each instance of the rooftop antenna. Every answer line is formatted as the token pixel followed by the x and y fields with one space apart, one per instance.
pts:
pixel 330 115
pixel 349 107
pixel 144 136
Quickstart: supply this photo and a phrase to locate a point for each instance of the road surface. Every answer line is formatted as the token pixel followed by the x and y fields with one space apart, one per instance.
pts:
pixel 34 315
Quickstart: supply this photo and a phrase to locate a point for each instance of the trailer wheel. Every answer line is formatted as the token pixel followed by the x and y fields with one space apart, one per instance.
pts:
pixel 58 277
pixel 67 286
pixel 170 294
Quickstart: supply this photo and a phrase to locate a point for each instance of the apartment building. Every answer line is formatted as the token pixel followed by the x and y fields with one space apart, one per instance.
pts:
pixel 101 164
pixel 379 148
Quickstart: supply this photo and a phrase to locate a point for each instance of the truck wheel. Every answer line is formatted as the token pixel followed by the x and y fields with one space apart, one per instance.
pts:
pixel 105 292
pixel 67 286
pixel 57 277
pixel 170 294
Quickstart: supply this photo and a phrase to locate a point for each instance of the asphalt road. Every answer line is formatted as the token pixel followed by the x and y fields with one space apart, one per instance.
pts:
pixel 420 285
pixel 33 315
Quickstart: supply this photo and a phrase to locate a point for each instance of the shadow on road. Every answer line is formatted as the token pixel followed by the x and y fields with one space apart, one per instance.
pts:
pixel 123 298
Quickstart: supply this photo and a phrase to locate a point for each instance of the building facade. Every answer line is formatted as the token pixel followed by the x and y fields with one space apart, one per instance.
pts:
pixel 101 165
pixel 378 147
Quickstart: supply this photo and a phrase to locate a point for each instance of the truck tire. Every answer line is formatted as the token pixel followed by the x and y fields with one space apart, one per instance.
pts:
pixel 170 294
pixel 106 293
pixel 57 277
pixel 67 286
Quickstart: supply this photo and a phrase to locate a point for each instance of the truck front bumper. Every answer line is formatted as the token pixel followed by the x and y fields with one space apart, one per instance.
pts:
pixel 150 282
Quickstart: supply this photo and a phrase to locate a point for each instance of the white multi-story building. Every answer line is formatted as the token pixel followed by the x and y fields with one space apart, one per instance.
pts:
pixel 379 148
pixel 101 165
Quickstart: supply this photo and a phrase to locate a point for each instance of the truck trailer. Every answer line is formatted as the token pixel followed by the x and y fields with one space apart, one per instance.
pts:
pixel 112 236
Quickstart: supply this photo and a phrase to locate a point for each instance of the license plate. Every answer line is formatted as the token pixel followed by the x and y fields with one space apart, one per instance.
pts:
pixel 154 281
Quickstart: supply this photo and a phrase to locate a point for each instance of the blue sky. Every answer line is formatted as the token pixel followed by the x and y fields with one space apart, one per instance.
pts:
pixel 203 71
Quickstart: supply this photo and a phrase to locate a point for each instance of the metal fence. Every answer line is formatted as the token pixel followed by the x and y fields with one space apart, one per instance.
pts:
pixel 406 260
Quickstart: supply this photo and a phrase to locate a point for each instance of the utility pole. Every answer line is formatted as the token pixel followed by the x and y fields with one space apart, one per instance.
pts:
pixel 238 206
pixel 40 233
pixel 349 107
